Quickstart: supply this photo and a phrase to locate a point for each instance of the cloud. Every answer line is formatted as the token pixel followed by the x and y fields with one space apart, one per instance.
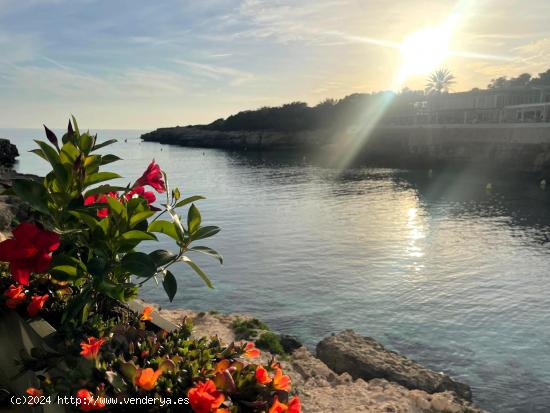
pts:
pixel 217 72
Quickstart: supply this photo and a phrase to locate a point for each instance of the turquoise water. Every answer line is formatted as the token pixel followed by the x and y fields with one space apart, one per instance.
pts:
pixel 435 267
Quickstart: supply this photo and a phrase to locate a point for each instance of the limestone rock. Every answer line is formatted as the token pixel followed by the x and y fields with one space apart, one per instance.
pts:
pixel 365 358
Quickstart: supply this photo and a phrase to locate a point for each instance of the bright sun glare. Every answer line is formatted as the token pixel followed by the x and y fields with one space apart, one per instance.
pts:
pixel 424 50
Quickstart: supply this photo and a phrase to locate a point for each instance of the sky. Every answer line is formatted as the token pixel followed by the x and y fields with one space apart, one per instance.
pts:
pixel 142 64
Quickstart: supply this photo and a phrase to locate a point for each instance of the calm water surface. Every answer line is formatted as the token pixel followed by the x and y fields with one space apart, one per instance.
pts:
pixel 436 267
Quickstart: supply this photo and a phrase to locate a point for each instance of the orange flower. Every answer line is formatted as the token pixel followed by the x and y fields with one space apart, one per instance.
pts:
pixel 281 381
pixel 251 351
pixel 91 349
pixel 293 406
pixel 222 366
pixel 16 295
pixel 262 376
pixel 205 398
pixel 147 378
pixel 87 401
pixel 36 304
pixel 146 315
pixel 31 391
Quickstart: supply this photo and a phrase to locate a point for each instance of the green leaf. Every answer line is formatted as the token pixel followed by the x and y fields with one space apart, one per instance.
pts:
pixel 136 235
pixel 89 220
pixel 165 227
pixel 76 305
pixel 193 219
pixel 111 289
pixel 206 232
pixel 161 257
pixel 64 272
pixel 53 158
pixel 40 153
pixel 208 251
pixel 116 207
pixel 86 143
pixel 129 370
pixel 69 153
pixel 188 200
pixel 198 270
pixel 32 192
pixel 100 177
pixel 170 285
pixel 103 144
pixel 139 263
pixel 106 159
pixel 140 216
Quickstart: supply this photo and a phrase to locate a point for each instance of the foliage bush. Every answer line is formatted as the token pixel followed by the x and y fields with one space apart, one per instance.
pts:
pixel 271 342
pixel 89 232
pixel 248 328
pixel 77 265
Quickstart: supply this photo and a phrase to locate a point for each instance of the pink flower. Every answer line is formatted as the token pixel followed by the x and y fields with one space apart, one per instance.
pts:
pixel 152 177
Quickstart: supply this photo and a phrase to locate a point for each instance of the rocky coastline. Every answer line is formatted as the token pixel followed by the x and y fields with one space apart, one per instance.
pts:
pixel 515 148
pixel 349 373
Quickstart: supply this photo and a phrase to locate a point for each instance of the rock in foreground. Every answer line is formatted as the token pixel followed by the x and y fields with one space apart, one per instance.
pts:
pixel 365 358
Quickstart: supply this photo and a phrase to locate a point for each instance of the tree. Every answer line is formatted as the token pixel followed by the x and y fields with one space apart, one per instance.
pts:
pixel 522 80
pixel 498 83
pixel 440 81
pixel 542 80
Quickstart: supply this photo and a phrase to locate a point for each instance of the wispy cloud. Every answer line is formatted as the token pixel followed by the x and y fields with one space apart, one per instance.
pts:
pixel 235 76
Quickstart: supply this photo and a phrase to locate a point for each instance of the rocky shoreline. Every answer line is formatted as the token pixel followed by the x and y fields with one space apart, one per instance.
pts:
pixel 349 373
pixel 516 148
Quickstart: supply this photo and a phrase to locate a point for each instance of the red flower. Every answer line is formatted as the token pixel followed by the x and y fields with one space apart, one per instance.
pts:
pixel 262 376
pixel 251 351
pixel 100 199
pixel 152 177
pixel 281 381
pixel 141 192
pixel 16 295
pixel 91 349
pixel 205 398
pixel 87 401
pixel 36 304
pixel 293 406
pixel 28 251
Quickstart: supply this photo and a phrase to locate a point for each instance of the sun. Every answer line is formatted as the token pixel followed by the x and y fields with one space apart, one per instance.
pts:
pixel 424 50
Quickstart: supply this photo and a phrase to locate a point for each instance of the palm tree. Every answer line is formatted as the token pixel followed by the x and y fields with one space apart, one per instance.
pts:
pixel 440 81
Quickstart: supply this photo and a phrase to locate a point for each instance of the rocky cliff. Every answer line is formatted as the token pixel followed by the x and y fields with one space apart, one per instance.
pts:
pixel 512 147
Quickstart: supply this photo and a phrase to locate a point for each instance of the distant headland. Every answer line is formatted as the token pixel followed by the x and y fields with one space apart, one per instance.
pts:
pixel 505 125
